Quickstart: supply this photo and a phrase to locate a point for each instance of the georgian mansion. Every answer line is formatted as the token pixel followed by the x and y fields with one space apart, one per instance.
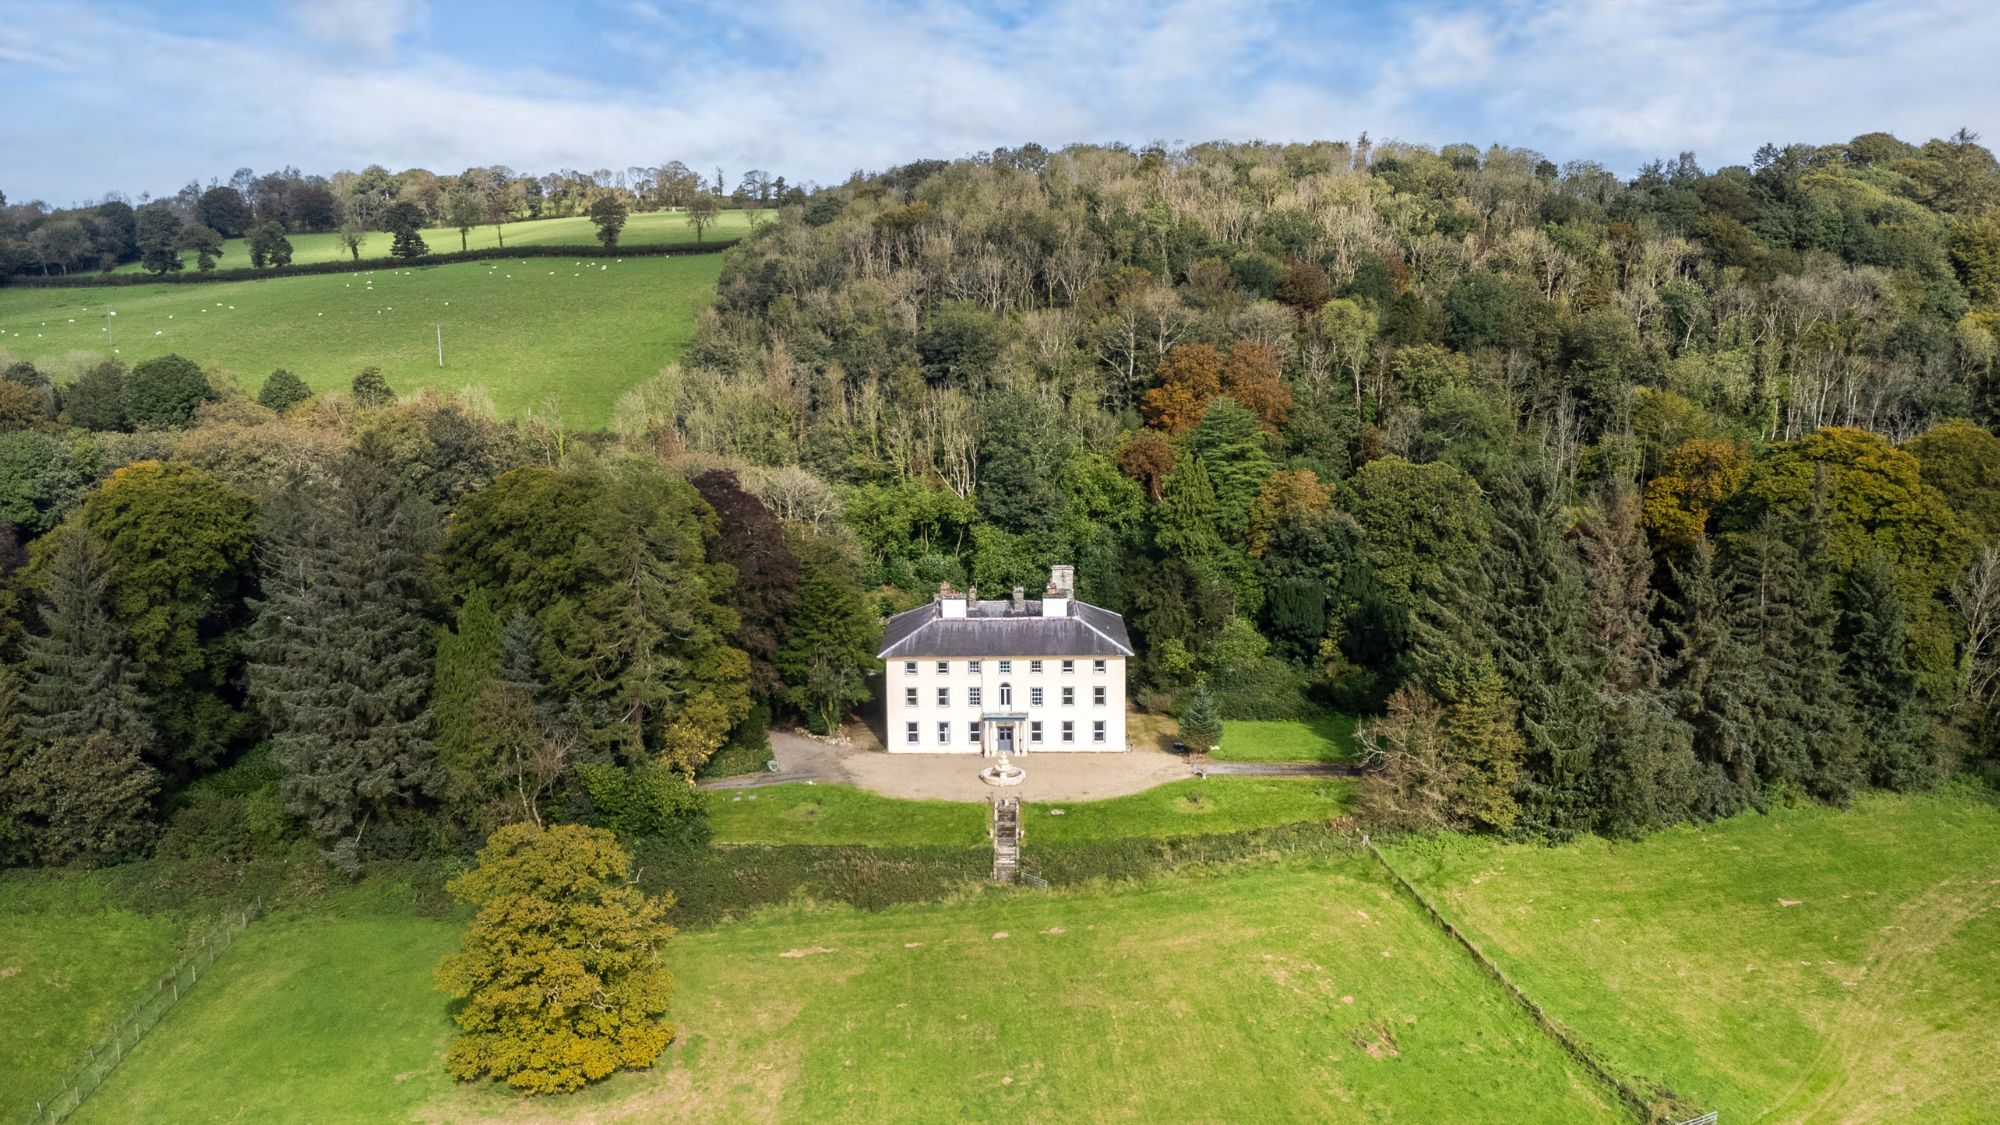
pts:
pixel 1019 675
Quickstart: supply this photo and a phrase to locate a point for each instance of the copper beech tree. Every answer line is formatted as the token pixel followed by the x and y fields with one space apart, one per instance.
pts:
pixel 559 976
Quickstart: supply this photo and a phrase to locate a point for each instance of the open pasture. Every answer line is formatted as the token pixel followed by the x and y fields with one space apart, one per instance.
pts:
pixel 527 331
pixel 642 228
pixel 1811 965
pixel 1305 992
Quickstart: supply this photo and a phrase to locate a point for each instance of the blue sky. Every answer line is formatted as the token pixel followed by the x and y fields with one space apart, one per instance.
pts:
pixel 103 95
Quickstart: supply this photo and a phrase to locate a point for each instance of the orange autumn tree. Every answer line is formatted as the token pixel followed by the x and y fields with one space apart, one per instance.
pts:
pixel 1193 375
pixel 1251 377
pixel 1190 377
pixel 559 973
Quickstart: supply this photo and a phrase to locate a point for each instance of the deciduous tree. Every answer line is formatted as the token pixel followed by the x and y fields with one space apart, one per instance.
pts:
pixel 558 976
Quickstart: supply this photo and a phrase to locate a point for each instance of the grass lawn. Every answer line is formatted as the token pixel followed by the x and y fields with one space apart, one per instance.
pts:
pixel 524 333
pixel 650 228
pixel 70 967
pixel 1812 965
pixel 1187 808
pixel 1328 738
pixel 840 814
pixel 1298 992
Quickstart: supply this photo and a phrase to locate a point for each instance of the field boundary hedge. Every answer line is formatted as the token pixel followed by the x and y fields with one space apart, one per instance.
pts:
pixel 247 273
pixel 1657 1103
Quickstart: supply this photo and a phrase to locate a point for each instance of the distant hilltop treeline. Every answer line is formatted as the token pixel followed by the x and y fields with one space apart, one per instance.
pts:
pixel 36 239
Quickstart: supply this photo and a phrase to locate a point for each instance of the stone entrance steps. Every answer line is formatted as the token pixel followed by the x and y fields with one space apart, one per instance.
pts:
pixel 1007 840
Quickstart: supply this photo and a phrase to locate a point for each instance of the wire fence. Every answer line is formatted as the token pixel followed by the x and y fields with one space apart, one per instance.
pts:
pixel 132 1027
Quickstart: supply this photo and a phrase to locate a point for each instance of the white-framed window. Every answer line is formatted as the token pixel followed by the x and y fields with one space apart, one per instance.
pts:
pixel 972 696
pixel 944 667
pixel 1097 666
pixel 1034 697
pixel 944 734
pixel 1097 695
pixel 909 697
pixel 1097 731
pixel 973 667
pixel 944 697
pixel 1069 731
pixel 1034 665
pixel 972 733
pixel 1006 695
pixel 1069 667
pixel 1006 667
pixel 909 667
pixel 1035 730
pixel 1069 697
pixel 910 733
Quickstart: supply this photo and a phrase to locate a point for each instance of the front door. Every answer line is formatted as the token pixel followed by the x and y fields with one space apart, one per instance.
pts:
pixel 1003 737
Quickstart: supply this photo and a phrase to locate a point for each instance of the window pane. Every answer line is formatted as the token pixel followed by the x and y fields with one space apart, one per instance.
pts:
pixel 944 734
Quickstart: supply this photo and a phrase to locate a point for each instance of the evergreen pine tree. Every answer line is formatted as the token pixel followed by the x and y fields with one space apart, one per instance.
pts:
pixel 1188 517
pixel 1709 688
pixel 468 660
pixel 1646 768
pixel 1889 709
pixel 343 652
pixel 1200 721
pixel 830 645
pixel 1534 613
pixel 1801 719
pixel 82 678
pixel 13 753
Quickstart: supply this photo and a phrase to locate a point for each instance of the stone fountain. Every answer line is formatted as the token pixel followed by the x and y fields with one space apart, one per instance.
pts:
pixel 1003 772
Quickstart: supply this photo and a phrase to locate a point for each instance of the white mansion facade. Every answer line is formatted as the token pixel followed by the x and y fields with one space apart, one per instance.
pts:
pixel 964 676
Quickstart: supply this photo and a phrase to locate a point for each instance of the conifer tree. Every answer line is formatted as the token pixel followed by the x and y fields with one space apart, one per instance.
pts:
pixel 14 842
pixel 1200 721
pixel 1534 613
pixel 343 652
pixel 1889 709
pixel 467 662
pixel 829 646
pixel 1801 717
pixel 81 676
pixel 1188 517
pixel 1646 762
pixel 1709 687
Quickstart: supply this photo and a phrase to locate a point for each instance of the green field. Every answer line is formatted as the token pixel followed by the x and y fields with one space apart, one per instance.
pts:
pixel 799 813
pixel 1289 993
pixel 1187 808
pixel 524 330
pixel 649 228
pixel 1810 965
pixel 1813 965
pixel 71 964
pixel 1328 738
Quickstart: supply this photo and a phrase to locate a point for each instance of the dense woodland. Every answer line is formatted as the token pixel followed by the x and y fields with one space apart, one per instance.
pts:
pixel 1613 503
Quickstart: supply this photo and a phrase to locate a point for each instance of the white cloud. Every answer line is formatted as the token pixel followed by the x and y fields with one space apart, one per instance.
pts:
pixel 814 89
pixel 373 26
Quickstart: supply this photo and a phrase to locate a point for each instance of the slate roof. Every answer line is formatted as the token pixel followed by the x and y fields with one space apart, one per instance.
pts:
pixel 992 629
